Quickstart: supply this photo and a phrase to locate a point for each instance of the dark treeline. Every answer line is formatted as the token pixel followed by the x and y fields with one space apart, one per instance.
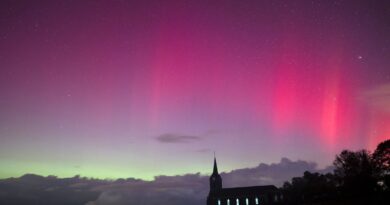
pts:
pixel 359 177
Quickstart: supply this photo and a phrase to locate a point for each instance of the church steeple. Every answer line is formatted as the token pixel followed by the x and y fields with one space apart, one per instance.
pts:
pixel 215 170
pixel 215 178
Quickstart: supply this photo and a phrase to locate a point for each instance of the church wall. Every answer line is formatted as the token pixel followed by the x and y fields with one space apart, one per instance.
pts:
pixel 261 199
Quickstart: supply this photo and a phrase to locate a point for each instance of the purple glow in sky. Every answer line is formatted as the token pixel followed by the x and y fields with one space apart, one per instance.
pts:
pixel 144 88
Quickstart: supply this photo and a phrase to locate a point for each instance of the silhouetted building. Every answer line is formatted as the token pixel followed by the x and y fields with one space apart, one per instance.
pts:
pixel 254 195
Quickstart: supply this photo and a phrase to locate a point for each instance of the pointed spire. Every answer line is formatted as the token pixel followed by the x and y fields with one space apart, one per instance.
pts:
pixel 215 171
pixel 215 178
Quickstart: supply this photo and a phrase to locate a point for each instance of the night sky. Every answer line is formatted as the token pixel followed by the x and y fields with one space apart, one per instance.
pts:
pixel 114 89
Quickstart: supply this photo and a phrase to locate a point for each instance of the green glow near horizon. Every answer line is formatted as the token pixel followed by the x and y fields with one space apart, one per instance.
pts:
pixel 17 169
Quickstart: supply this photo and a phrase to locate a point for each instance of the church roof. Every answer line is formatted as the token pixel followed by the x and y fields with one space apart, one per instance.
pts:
pixel 245 191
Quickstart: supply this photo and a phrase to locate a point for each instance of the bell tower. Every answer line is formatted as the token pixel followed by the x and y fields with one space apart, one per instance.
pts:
pixel 215 178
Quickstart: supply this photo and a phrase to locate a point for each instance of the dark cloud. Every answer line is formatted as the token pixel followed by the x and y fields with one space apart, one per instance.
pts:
pixel 263 174
pixel 190 189
pixel 35 189
pixel 175 138
pixel 203 150
pixel 212 132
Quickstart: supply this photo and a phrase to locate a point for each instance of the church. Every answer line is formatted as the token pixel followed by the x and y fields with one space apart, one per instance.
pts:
pixel 253 195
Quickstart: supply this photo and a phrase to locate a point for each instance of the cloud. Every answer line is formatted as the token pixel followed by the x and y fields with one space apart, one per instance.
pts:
pixel 204 150
pixel 186 189
pixel 190 189
pixel 35 189
pixel 175 138
pixel 378 97
pixel 263 174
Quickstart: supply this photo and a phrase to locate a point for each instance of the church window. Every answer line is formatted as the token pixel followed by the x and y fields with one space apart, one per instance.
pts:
pixel 219 202
pixel 247 201
pixel 228 202
pixel 237 202
pixel 276 197
pixel 257 201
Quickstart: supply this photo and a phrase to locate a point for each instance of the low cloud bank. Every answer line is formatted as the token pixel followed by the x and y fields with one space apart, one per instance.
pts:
pixel 276 173
pixel 190 189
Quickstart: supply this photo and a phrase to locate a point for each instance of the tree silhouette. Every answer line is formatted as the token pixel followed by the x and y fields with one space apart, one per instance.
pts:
pixel 359 178
pixel 355 172
pixel 311 187
pixel 381 157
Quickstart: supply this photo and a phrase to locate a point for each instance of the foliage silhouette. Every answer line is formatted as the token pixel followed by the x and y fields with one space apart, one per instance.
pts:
pixel 359 178
pixel 381 157
pixel 355 173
